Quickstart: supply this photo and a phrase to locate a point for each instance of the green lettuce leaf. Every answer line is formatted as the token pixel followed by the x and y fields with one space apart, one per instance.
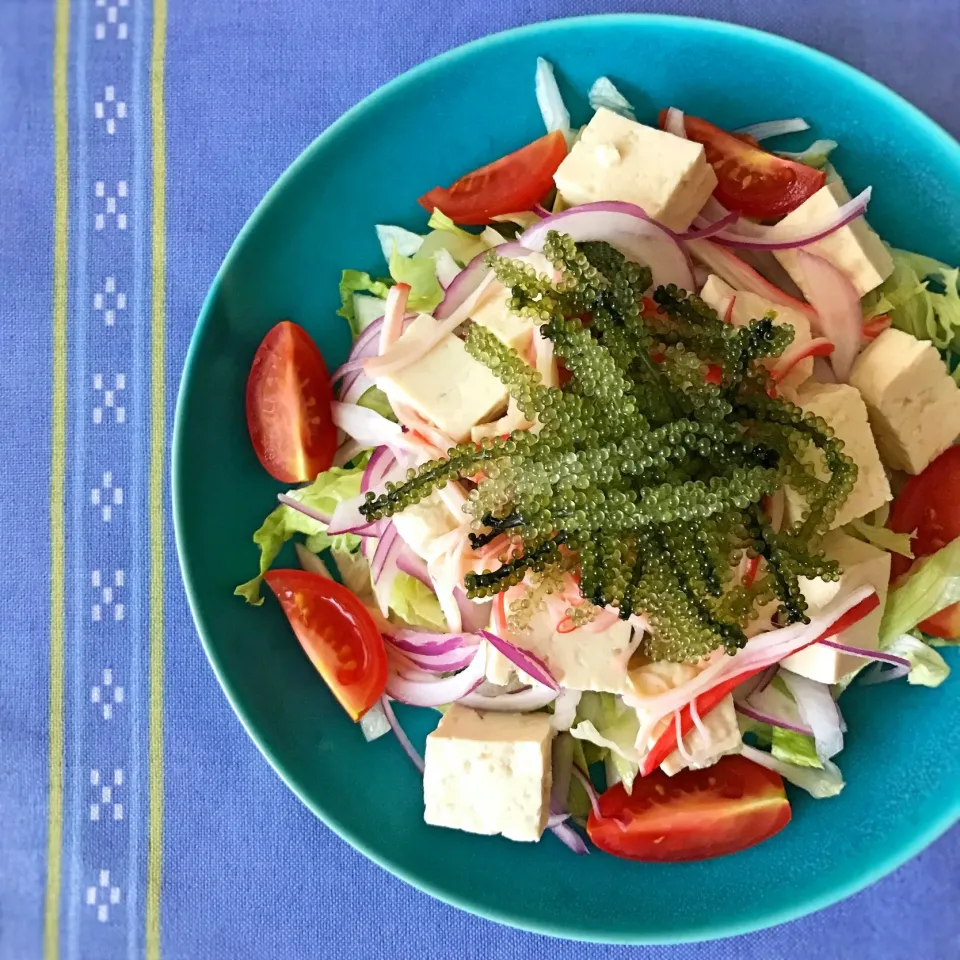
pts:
pixel 826 781
pixel 881 537
pixel 795 748
pixel 375 399
pixel 355 281
pixel 461 244
pixel 922 297
pixel 932 584
pixel 323 494
pixel 817 155
pixel 605 721
pixel 603 93
pixel 421 273
pixel 416 604
pixel 927 667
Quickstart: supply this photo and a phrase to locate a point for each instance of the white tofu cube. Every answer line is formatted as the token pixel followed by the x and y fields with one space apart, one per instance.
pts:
pixel 723 737
pixel 446 385
pixel 842 407
pixel 750 306
pixel 620 159
pixel 421 525
pixel 493 313
pixel 914 405
pixel 855 250
pixel 861 564
pixel 583 659
pixel 489 773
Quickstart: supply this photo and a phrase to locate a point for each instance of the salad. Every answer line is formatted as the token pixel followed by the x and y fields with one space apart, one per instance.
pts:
pixel 625 487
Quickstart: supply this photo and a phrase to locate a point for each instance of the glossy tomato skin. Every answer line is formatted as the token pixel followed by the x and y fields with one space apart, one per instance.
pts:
pixel 289 397
pixel 928 506
pixel 751 180
pixel 693 815
pixel 512 183
pixel 337 634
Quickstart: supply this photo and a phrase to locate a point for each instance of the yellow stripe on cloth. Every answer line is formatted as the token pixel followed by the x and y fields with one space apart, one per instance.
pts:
pixel 61 227
pixel 156 487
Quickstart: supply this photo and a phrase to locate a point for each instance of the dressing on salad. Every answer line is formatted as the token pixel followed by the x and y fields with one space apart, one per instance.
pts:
pixel 611 488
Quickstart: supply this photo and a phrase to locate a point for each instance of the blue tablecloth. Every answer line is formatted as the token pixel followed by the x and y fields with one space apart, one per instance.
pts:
pixel 136 818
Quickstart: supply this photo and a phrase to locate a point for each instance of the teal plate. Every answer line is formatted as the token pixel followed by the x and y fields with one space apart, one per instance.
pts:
pixel 447 116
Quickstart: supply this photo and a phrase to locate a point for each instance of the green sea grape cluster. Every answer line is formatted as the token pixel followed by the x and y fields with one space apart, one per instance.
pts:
pixel 649 468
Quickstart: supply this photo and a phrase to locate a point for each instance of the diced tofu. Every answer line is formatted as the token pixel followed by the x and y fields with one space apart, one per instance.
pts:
pixel 842 407
pixel 855 250
pixel 489 773
pixel 493 313
pixel 446 385
pixel 723 737
pixel 914 405
pixel 620 159
pixel 423 523
pixel 750 306
pixel 583 659
pixel 861 564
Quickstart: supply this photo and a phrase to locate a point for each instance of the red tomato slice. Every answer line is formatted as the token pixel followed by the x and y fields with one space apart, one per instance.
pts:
pixel 338 635
pixel 514 182
pixel 752 180
pixel 288 406
pixel 694 815
pixel 928 508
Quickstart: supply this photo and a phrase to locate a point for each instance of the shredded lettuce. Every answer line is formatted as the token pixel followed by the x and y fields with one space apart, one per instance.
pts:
pixel 881 537
pixel 816 155
pixel 927 667
pixel 355 281
pixel 323 494
pixel 819 782
pixel 555 114
pixel 604 94
pixel 366 309
pixel 796 748
pixel 922 297
pixel 416 604
pixel 375 399
pixel 461 244
pixel 421 273
pixel 605 721
pixel 578 803
pixel 404 241
pixel 932 584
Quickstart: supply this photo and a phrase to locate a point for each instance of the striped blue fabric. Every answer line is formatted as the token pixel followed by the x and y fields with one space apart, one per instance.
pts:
pixel 137 818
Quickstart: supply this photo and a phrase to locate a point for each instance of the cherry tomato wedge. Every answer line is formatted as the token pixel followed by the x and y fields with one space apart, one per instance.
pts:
pixel 514 182
pixel 693 815
pixel 752 180
pixel 929 508
pixel 337 634
pixel 288 406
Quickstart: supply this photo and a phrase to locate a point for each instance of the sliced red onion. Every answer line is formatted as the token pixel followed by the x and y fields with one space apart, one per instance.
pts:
pixel 754 236
pixel 351 366
pixel 384 552
pixel 626 227
pixel 473 616
pixel 570 838
pixel 295 504
pixel 706 230
pixel 374 723
pixel 565 710
pixel 408 747
pixel 436 693
pixel 354 386
pixel 470 278
pixel 741 276
pixel 423 642
pixel 589 788
pixel 774 128
pixel 349 450
pixel 347 518
pixel 364 425
pixel 311 562
pixel 381 463
pixel 555 819
pixel 524 700
pixel 771 720
pixel 818 710
pixel 674 123
pixel 442 662
pixel 540 210
pixel 867 654
pixel 413 566
pixel 839 316
pixel 524 660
